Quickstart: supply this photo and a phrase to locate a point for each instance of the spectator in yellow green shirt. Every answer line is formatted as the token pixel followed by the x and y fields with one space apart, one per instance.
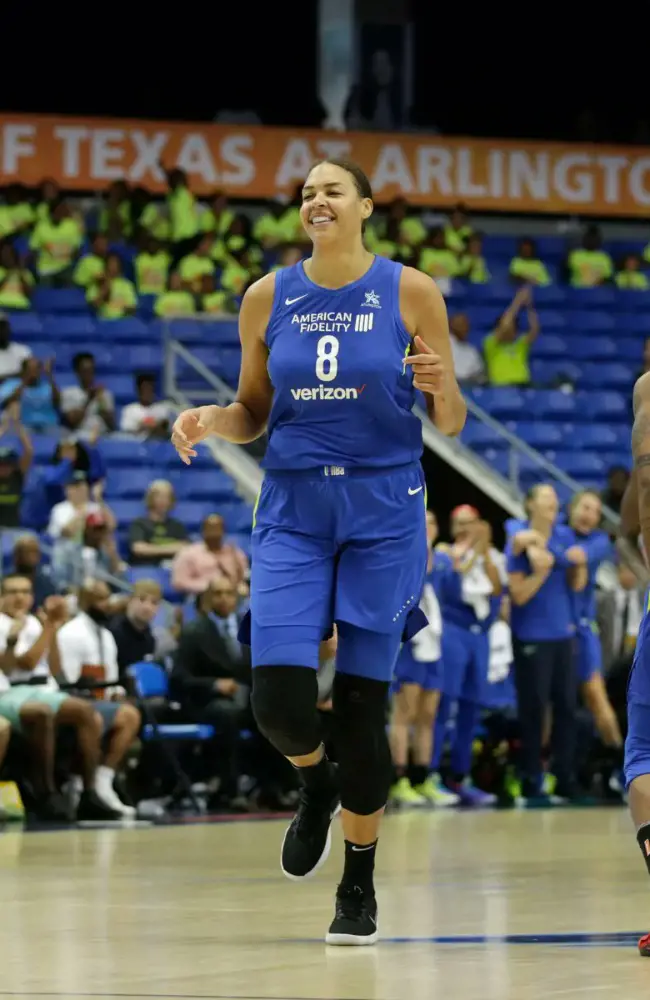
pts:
pixel 268 230
pixel 213 300
pixel 56 241
pixel 590 265
pixel 506 352
pixel 631 277
pixel 472 265
pixel 49 195
pixel 409 228
pixel 436 259
pixel 183 214
pixel 113 296
pixel 115 218
pixel 238 272
pixel 458 230
pixel 151 268
pixel 526 267
pixel 19 209
pixel 16 282
pixel 91 268
pixel 196 264
pixel 176 301
pixel 219 216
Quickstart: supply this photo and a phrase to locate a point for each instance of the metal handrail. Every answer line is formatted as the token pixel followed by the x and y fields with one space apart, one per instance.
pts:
pixel 520 446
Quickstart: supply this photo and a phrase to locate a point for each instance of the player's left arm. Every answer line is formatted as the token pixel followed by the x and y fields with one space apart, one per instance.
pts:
pixel 425 317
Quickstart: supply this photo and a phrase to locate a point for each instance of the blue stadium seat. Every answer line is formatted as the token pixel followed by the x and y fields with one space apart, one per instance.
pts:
pixel 592 348
pixel 211 485
pixel 608 407
pixel 612 374
pixel 480 436
pixel 129 483
pixel 551 404
pixel 142 358
pixel 550 319
pixel 549 373
pixel 126 511
pixel 237 517
pixel 630 299
pixel 630 349
pixel 129 329
pixel 123 451
pixel 551 246
pixel 483 317
pixel 550 346
pixel 549 296
pixel 122 387
pixel 587 321
pixel 580 463
pixel 603 297
pixel 71 328
pixel 25 324
pixel 498 294
pixel 192 514
pixel 594 436
pixel 504 404
pixel 242 541
pixel 538 435
pixel 635 323
pixel 60 300
pixel 157 573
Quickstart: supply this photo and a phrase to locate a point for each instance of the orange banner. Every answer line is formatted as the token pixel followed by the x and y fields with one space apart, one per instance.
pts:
pixel 259 162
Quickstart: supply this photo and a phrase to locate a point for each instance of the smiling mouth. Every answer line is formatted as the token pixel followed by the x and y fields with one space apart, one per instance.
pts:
pixel 320 220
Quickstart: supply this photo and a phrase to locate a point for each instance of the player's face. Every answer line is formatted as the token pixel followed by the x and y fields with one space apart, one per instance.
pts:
pixel 545 503
pixel 587 513
pixel 331 208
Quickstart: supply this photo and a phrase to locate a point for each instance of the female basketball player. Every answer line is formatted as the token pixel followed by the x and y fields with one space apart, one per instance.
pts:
pixel 333 350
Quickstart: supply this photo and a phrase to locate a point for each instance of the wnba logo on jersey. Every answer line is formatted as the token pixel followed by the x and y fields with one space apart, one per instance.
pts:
pixel 327 392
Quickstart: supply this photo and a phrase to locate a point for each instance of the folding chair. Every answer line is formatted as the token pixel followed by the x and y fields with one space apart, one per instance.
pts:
pixel 151 681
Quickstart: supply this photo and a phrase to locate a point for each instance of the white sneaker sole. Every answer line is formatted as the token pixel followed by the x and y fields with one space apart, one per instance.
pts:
pixel 321 861
pixel 351 940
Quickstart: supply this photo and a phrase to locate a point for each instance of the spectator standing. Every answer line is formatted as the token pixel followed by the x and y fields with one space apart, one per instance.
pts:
pixel 506 352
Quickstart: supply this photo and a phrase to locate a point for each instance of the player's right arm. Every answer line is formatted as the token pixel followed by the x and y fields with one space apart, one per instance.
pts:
pixel 245 419
pixel 641 457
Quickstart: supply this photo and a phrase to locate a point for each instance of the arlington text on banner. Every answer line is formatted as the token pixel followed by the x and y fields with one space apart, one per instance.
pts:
pixel 259 162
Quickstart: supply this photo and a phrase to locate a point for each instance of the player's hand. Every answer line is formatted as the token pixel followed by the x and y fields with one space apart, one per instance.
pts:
pixel 429 373
pixel 56 610
pixel 190 428
pixel 576 555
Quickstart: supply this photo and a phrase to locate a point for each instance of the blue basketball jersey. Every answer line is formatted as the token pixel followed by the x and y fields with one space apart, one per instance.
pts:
pixel 342 394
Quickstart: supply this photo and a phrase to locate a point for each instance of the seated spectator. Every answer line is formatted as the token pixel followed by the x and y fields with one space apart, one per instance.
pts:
pixel 289 255
pixel 36 707
pixel 210 669
pixel 196 564
pixel 590 265
pixel 157 537
pixel 152 268
pixel 88 653
pixel 56 242
pixel 37 393
pixel 268 230
pixel 468 363
pixel 132 630
pixel 471 263
pixel 506 352
pixel 67 519
pixel 215 301
pixel 49 194
pixel 458 230
pixel 177 301
pixel 88 407
pixel 113 296
pixel 18 209
pixel 630 276
pixel 196 265
pixel 219 217
pixel 436 259
pixel 526 267
pixel 95 552
pixel 148 417
pixel 91 268
pixel 27 558
pixel 16 282
pixel 239 270
pixel 11 355
pixel 409 228
pixel 151 218
pixel 14 467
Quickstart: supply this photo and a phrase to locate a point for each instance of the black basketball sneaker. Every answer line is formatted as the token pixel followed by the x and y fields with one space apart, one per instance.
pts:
pixel 355 922
pixel 308 840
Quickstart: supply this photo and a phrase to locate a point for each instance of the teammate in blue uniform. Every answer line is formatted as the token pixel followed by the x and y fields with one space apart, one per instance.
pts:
pixel 333 351
pixel 416 692
pixel 635 518
pixel 585 515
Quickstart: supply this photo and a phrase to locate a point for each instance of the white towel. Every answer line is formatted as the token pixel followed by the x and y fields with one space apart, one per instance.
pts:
pixel 426 644
pixel 500 652
pixel 477 588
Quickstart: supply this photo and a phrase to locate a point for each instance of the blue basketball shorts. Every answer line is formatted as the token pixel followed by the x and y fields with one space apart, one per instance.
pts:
pixel 637 743
pixel 408 670
pixel 337 545
pixel 466 659
pixel 589 654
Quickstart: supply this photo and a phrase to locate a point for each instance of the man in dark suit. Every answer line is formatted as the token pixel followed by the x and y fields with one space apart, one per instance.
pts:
pixel 211 677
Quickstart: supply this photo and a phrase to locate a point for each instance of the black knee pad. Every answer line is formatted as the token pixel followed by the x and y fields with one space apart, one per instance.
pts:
pixel 360 709
pixel 283 700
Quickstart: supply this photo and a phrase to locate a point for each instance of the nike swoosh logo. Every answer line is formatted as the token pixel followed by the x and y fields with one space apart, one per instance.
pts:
pixel 290 302
pixel 368 848
pixel 413 492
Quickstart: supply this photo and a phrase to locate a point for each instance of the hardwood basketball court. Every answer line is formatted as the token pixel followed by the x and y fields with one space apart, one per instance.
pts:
pixel 492 906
